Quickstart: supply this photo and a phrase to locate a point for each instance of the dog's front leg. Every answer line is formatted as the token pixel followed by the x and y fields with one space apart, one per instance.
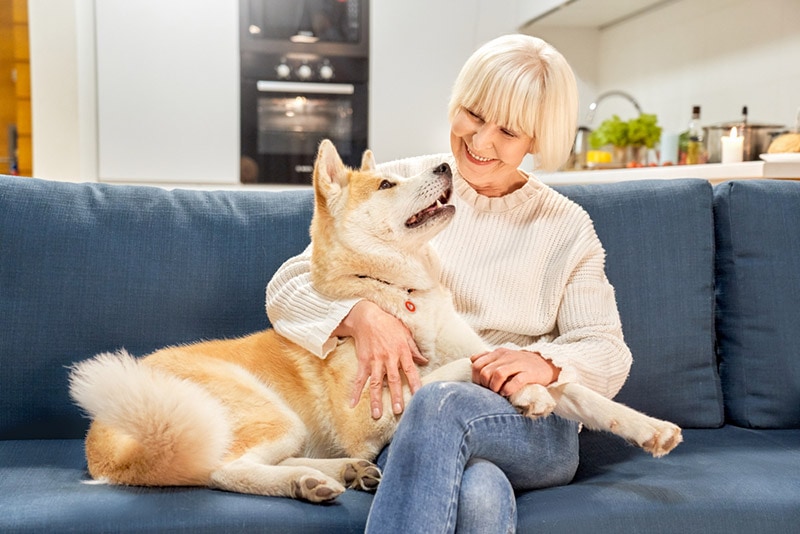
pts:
pixel 596 412
pixel 456 371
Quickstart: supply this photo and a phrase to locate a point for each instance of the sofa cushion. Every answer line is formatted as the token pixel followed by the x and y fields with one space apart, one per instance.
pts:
pixel 718 481
pixel 659 240
pixel 43 489
pixel 87 268
pixel 758 301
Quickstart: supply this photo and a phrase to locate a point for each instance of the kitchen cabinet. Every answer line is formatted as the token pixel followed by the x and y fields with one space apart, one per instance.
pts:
pixel 584 13
pixel 167 91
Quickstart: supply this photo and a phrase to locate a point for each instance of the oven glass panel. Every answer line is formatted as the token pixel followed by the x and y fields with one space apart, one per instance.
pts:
pixel 296 124
pixel 305 21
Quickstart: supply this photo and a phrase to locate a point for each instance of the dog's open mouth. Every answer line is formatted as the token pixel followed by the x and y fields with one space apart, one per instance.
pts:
pixel 435 209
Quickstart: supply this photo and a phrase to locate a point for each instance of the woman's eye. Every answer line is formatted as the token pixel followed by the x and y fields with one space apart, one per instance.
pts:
pixel 386 184
pixel 508 133
pixel 473 114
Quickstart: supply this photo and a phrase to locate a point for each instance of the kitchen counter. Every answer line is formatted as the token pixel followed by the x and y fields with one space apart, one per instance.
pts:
pixel 713 172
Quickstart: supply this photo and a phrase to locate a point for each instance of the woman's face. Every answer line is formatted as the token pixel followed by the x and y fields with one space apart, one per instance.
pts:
pixel 487 154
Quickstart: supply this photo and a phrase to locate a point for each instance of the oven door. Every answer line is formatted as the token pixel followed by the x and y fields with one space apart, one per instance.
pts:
pixel 284 122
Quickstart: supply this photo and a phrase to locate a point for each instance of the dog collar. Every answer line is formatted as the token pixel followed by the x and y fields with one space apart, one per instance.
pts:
pixel 410 306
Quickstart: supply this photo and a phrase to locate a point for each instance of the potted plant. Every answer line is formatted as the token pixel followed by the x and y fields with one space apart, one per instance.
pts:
pixel 629 141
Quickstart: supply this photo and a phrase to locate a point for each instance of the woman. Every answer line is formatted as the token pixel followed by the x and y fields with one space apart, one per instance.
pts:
pixel 526 270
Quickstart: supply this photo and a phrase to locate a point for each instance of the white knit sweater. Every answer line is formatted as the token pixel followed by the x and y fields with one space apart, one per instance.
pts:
pixel 526 270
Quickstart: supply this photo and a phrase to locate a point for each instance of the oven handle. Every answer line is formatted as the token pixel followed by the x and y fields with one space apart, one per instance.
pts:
pixel 305 87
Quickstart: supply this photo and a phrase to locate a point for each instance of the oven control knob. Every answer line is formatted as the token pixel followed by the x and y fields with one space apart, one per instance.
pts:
pixel 283 71
pixel 326 72
pixel 304 72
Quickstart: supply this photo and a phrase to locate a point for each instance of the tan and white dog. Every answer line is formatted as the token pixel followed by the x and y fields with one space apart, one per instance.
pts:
pixel 261 415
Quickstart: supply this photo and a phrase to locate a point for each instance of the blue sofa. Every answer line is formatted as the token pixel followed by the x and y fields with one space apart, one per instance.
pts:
pixel 708 287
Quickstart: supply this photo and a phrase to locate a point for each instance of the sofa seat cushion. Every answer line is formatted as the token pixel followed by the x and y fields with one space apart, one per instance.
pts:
pixel 724 481
pixel 659 241
pixel 43 489
pixel 758 301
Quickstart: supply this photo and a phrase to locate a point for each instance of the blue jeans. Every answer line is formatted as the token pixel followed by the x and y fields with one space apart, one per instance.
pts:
pixel 458 454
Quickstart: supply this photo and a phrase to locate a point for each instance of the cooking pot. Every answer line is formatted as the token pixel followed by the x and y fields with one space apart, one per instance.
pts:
pixel 757 138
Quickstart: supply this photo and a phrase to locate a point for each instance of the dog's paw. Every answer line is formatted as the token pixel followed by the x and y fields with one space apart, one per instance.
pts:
pixel 361 475
pixel 664 437
pixel 317 489
pixel 533 401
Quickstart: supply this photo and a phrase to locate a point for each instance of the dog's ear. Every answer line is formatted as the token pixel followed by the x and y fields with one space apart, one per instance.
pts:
pixel 330 173
pixel 368 161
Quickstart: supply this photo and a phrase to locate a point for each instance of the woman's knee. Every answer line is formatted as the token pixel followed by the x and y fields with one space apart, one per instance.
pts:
pixel 486 502
pixel 454 400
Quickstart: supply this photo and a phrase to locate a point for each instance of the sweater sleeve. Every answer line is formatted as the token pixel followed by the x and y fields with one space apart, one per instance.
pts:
pixel 300 313
pixel 589 346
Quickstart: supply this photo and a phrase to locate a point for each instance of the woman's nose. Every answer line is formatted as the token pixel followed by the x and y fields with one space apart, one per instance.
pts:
pixel 482 138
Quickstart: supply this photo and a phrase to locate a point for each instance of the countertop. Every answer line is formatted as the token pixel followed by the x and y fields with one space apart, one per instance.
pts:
pixel 713 172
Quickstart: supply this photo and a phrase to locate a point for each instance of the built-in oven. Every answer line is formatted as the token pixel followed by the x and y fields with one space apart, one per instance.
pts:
pixel 304 78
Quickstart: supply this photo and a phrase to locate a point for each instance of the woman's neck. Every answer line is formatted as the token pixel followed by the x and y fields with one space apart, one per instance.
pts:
pixel 499 188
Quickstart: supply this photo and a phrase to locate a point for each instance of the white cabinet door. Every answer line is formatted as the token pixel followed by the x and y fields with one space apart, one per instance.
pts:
pixel 168 91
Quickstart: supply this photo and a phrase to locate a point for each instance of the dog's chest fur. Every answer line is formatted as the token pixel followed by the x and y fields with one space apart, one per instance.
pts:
pixel 439 331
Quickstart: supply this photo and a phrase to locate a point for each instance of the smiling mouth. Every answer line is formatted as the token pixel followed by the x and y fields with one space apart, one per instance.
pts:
pixel 438 207
pixel 476 157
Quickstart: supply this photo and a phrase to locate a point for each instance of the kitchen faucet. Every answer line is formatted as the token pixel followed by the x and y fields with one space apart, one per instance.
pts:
pixel 623 94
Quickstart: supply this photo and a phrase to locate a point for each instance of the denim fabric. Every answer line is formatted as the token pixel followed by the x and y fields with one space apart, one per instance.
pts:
pixel 659 241
pixel 446 426
pixel 86 268
pixel 758 301
pixel 486 500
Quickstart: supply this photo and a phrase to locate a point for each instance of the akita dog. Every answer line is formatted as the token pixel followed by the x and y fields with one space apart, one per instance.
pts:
pixel 261 415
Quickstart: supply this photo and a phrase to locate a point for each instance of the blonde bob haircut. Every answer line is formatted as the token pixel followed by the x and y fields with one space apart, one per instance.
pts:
pixel 522 83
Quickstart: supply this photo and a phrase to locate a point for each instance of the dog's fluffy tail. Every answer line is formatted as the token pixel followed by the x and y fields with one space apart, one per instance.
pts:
pixel 162 430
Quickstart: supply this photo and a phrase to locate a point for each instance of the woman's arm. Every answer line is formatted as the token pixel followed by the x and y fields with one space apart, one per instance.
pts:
pixel 299 312
pixel 589 348
pixel 384 346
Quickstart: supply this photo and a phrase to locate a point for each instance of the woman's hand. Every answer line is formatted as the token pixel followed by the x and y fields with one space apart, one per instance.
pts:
pixel 506 371
pixel 384 348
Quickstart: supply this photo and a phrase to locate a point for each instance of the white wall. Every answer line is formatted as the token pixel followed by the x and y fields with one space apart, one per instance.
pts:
pixel 718 54
pixel 417 49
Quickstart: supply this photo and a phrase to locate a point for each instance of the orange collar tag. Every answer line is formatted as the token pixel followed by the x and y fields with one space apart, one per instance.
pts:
pixel 410 306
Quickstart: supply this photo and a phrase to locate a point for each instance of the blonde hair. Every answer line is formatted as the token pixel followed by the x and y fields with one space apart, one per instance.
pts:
pixel 524 84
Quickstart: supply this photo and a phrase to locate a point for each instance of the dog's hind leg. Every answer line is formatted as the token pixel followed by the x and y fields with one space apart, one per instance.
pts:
pixel 354 473
pixel 583 405
pixel 248 475
pixel 264 468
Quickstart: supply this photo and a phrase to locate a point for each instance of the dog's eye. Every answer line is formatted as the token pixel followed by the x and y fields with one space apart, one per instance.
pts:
pixel 386 184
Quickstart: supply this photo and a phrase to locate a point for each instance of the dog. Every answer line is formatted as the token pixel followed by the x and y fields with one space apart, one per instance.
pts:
pixel 261 415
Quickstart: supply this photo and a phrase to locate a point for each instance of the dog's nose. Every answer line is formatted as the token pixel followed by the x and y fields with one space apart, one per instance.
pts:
pixel 444 168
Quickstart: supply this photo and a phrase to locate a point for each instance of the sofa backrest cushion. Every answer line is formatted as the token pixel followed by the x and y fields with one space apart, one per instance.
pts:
pixel 659 241
pixel 758 301
pixel 87 268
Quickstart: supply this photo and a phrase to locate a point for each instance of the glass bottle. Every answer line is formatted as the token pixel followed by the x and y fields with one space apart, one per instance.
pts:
pixel 695 143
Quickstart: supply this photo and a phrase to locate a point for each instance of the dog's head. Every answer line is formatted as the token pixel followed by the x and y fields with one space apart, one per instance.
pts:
pixel 368 210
